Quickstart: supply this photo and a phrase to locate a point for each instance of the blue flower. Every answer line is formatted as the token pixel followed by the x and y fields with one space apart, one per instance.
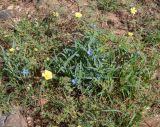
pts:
pixel 98 76
pixel 25 72
pixel 89 52
pixel 74 81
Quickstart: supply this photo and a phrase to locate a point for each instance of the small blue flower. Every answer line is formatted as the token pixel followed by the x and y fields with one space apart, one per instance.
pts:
pixel 25 72
pixel 89 52
pixel 98 77
pixel 74 81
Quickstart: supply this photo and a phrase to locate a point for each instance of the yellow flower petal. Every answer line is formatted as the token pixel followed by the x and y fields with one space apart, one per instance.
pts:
pixel 47 75
pixel 55 14
pixel 28 88
pixel 35 49
pixel 130 34
pixel 43 74
pixel 11 49
pixel 133 10
pixel 47 58
pixel 78 15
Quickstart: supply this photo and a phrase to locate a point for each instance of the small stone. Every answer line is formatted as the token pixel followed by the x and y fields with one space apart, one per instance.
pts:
pixel 30 121
pixel 29 118
pixel 10 7
pixel 5 14
pixel 13 120
pixel 2 120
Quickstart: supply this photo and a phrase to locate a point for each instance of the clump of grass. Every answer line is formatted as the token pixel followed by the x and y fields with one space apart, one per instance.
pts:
pixel 100 68
pixel 121 73
pixel 153 38
pixel 107 5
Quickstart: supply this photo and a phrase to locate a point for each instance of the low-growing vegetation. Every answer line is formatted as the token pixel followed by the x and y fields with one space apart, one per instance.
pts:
pixel 71 72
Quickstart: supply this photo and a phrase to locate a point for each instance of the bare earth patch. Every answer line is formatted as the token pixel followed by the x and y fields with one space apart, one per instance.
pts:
pixel 151 121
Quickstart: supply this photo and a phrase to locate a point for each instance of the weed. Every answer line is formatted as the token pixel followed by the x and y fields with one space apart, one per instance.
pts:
pixel 107 5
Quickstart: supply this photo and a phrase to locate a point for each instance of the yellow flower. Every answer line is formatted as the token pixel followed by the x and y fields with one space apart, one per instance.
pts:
pixel 130 34
pixel 47 75
pixel 30 85
pixel 6 35
pixel 11 49
pixel 35 49
pixel 47 58
pixel 79 126
pixel 133 10
pixel 55 14
pixel 28 88
pixel 78 15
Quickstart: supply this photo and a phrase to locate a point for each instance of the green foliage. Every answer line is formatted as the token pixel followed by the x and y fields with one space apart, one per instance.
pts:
pixel 89 56
pixel 153 38
pixel 106 70
pixel 97 68
pixel 99 79
pixel 107 5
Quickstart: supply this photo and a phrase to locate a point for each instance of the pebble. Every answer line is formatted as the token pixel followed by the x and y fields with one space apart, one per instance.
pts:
pixel 14 119
pixel 30 121
pixel 5 14
pixel 10 7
